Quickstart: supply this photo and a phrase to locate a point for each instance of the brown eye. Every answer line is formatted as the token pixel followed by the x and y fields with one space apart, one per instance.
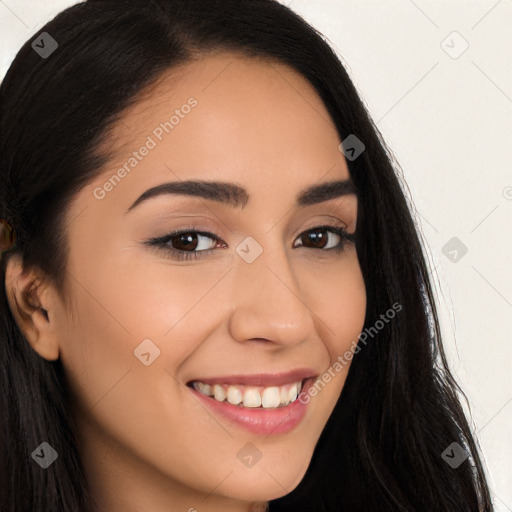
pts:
pixel 187 244
pixel 188 241
pixel 190 244
pixel 323 237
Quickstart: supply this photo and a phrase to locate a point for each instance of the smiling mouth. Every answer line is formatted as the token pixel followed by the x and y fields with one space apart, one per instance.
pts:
pixel 244 396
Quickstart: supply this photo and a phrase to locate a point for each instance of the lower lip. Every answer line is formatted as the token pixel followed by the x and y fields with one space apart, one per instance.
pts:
pixel 258 420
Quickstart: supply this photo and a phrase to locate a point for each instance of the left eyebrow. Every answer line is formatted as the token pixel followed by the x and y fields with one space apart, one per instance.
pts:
pixel 236 196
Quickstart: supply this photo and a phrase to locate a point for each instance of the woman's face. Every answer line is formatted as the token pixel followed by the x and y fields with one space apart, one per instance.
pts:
pixel 262 297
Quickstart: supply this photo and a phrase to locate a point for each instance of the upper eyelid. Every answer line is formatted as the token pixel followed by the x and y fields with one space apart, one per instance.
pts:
pixel 161 243
pixel 209 234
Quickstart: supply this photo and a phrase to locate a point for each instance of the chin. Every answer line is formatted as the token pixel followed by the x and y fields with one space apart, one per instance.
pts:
pixel 268 483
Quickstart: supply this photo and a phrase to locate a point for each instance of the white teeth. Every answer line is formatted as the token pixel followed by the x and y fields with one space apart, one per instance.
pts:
pixel 205 389
pixel 270 397
pixel 252 396
pixel 234 395
pixel 219 393
pixel 293 392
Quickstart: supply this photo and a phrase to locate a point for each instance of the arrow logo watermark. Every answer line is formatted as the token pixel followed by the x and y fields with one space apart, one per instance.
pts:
pixel 249 249
pixel 44 45
pixel 455 455
pixel 45 455
pixel 146 352
pixel 454 249
pixel 351 147
pixel 249 455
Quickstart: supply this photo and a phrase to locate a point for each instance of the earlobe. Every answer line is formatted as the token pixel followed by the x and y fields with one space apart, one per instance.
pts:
pixel 32 303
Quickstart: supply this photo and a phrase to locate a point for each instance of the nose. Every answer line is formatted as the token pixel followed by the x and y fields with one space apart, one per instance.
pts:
pixel 267 303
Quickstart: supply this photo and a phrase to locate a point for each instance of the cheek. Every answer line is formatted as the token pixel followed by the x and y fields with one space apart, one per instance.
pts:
pixel 133 300
pixel 339 299
pixel 127 307
pixel 97 347
pixel 155 297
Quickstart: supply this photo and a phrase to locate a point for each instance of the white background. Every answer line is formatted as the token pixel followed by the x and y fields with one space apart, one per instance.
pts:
pixel 449 123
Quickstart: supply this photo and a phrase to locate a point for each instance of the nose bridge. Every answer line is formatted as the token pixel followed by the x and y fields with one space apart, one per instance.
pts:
pixel 267 303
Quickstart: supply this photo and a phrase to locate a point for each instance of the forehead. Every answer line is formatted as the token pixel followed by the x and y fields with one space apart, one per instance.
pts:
pixel 227 117
pixel 248 103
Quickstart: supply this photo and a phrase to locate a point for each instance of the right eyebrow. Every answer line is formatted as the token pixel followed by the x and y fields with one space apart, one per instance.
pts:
pixel 238 197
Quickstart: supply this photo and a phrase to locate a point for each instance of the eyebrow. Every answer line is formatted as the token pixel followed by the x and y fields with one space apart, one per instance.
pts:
pixel 237 197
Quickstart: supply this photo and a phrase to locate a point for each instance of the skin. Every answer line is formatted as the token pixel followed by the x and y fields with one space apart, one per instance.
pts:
pixel 146 442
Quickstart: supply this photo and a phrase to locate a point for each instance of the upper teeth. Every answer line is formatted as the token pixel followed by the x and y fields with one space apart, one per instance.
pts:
pixel 251 396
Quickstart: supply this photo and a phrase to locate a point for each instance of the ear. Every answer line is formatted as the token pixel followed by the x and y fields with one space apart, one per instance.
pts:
pixel 34 304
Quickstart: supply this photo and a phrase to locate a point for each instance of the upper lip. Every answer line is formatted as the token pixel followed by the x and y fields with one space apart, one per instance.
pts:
pixel 261 379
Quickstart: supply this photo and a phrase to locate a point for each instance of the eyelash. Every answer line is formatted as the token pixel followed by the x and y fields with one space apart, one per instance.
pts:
pixel 177 254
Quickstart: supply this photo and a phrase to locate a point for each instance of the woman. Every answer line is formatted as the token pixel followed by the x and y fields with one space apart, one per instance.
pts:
pixel 215 295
